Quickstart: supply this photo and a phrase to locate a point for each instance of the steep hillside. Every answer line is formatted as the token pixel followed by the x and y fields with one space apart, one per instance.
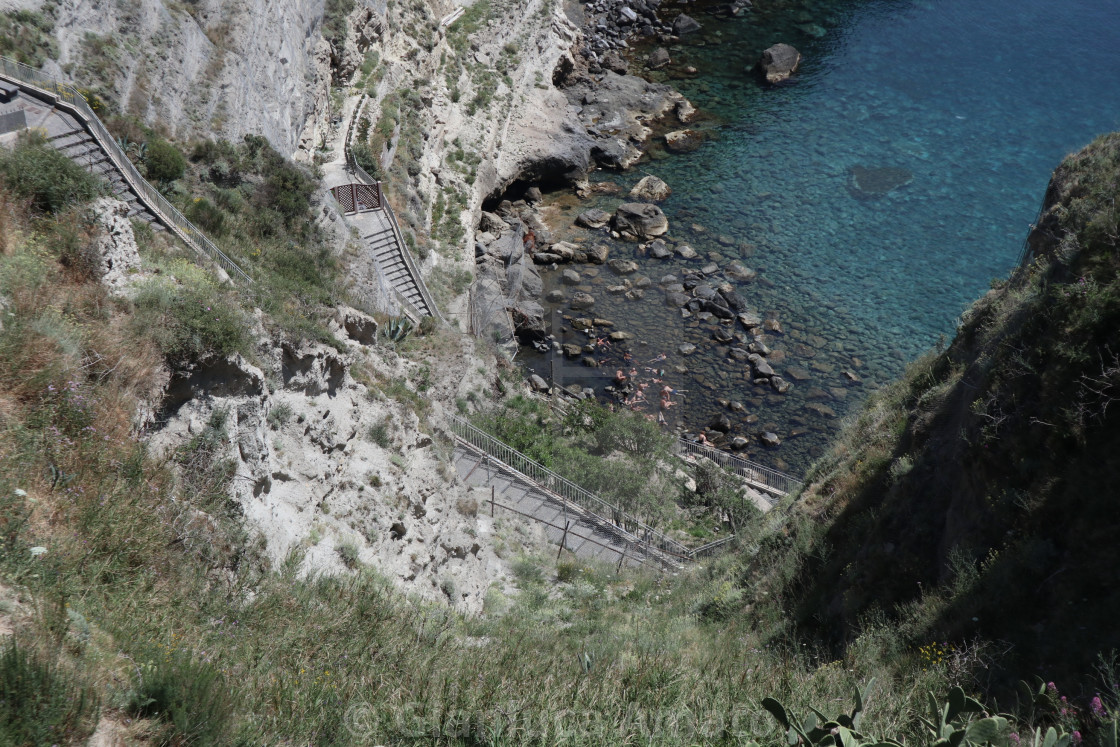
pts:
pixel 977 496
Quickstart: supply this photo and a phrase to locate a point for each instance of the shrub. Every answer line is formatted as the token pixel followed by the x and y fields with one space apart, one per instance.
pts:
pixel 348 552
pixel 379 433
pixel 49 179
pixel 279 415
pixel 367 159
pixel 286 188
pixel 164 162
pixel 189 696
pixel 190 321
pixel 39 704
pixel 334 21
pixel 207 216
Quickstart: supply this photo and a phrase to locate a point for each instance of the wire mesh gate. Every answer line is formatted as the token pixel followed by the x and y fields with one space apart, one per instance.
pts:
pixel 355 198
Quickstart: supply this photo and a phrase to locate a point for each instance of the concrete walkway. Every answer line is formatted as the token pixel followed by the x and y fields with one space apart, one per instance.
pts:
pixel 585 539
pixel 68 135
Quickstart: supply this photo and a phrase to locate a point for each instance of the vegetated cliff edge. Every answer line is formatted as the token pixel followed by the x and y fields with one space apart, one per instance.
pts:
pixel 976 497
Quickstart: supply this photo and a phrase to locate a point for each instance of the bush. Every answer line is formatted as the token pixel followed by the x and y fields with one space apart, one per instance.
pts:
pixel 207 216
pixel 38 703
pixel 286 188
pixel 379 434
pixel 334 21
pixel 189 696
pixel 49 179
pixel 348 552
pixel 367 159
pixel 190 321
pixel 164 162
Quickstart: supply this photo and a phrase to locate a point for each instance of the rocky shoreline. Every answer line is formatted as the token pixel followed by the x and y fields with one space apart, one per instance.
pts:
pixel 515 241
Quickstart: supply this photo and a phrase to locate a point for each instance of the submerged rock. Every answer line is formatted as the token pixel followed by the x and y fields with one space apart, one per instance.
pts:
pixel 623 266
pixel 658 249
pixel 582 301
pixel 875 182
pixel 684 141
pixel 658 59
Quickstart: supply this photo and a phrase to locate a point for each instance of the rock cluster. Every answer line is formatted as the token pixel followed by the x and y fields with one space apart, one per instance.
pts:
pixel 611 22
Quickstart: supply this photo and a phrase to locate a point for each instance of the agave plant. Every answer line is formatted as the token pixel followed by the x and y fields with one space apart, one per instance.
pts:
pixel 959 722
pixel 398 328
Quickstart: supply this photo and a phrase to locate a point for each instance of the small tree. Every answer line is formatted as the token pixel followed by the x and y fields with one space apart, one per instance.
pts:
pixel 164 162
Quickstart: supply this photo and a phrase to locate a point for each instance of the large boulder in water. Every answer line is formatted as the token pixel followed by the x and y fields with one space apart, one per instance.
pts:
pixel 683 24
pixel 658 59
pixel 779 62
pixel 684 141
pixel 651 189
pixel 639 220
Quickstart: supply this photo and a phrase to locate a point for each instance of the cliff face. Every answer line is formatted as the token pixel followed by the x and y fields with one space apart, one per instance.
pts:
pixel 214 66
pixel 977 497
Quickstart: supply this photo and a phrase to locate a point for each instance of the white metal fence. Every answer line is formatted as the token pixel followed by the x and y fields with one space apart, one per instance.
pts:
pixel 69 97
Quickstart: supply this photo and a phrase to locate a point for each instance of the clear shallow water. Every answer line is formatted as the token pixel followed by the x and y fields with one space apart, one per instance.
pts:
pixel 978 101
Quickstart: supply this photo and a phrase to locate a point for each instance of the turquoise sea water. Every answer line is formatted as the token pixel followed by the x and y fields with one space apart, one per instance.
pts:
pixel 978 102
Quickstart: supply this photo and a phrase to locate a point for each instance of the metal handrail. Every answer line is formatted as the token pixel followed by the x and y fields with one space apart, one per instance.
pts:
pixel 761 476
pixel 364 177
pixel 168 214
pixel 407 255
pixel 711 548
pixel 629 527
pixel 770 480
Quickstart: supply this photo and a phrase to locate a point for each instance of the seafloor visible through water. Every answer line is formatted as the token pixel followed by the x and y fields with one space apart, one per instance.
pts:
pixel 970 105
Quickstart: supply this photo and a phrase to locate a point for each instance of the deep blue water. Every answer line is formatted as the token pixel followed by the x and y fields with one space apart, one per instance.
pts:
pixel 978 101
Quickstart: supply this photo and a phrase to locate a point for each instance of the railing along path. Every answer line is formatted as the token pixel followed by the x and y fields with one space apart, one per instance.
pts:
pixel 756 475
pixel 373 198
pixel 70 98
pixel 608 517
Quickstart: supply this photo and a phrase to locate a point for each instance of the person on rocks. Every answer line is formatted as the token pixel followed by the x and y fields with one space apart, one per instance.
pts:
pixel 530 240
pixel 619 377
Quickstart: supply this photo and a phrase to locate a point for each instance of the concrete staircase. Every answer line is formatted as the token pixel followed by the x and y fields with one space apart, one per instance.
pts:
pixel 82 148
pixel 381 240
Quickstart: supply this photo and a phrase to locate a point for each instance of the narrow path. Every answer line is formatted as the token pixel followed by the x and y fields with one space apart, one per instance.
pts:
pixel 377 227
